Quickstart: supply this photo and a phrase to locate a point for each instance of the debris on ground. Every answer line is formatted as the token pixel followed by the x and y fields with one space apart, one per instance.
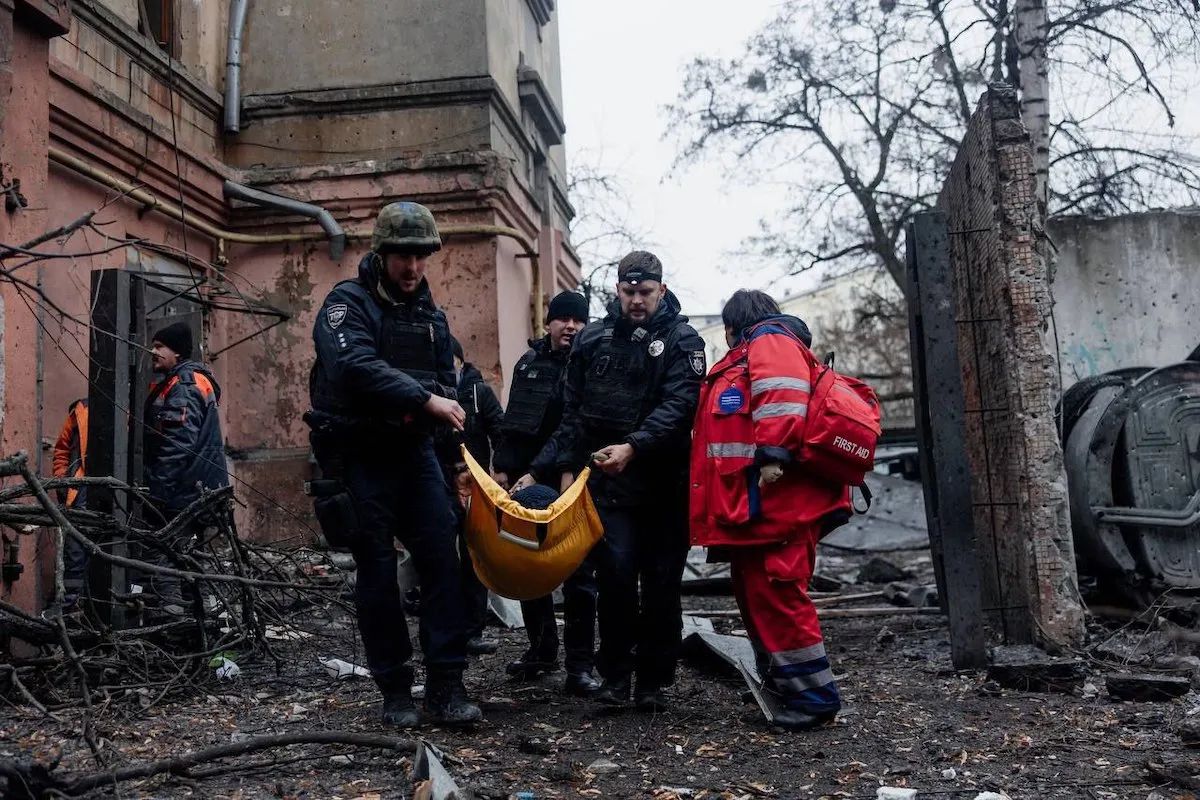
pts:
pixel 880 570
pixel 1145 687
pixel 911 595
pixel 1030 669
pixel 910 722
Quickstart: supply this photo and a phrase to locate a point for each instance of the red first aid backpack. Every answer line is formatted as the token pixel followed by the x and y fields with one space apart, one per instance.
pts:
pixel 842 428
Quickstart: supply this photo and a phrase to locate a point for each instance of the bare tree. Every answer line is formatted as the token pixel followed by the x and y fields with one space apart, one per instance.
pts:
pixel 859 108
pixel 602 231
pixel 1030 28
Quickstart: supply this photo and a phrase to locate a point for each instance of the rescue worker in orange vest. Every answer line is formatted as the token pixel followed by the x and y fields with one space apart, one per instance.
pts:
pixel 184 451
pixel 750 505
pixel 70 459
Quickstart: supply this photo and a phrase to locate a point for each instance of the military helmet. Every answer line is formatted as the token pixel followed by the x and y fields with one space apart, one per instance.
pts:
pixel 405 226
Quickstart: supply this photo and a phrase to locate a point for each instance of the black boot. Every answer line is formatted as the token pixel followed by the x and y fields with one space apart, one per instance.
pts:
pixel 530 665
pixel 650 699
pixel 482 645
pixel 398 707
pixel 793 720
pixel 614 692
pixel 446 701
pixel 581 684
pixel 399 710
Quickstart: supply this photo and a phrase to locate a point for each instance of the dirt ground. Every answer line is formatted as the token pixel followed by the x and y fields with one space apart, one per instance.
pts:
pixel 909 721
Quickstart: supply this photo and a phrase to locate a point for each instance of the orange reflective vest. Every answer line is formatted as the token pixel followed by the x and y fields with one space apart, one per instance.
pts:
pixel 752 412
pixel 70 449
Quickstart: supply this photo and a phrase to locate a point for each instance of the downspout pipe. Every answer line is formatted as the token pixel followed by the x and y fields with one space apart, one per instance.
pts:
pixel 233 66
pixel 337 236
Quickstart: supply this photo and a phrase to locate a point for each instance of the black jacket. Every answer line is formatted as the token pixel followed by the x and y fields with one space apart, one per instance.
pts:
pixel 481 433
pixel 520 445
pixel 183 450
pixel 380 355
pixel 637 385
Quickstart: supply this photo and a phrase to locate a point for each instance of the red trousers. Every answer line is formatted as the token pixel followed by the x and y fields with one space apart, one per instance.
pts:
pixel 771 585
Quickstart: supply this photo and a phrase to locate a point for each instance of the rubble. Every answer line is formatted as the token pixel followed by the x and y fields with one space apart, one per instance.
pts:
pixel 911 595
pixel 1146 687
pixel 602 766
pixel 880 570
pixel 1029 669
pixel 433 782
pixel 1188 731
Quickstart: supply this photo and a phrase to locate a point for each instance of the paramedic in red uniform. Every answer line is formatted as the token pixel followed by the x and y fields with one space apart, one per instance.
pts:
pixel 752 507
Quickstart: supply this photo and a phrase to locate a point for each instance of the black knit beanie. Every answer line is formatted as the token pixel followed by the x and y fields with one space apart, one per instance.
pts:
pixel 178 337
pixel 568 305
pixel 538 496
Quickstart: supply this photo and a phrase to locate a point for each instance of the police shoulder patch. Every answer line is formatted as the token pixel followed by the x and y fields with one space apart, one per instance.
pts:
pixel 697 361
pixel 336 315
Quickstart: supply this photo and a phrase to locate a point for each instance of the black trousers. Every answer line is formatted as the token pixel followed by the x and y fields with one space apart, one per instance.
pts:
pixel 475 594
pixel 639 572
pixel 402 494
pixel 579 622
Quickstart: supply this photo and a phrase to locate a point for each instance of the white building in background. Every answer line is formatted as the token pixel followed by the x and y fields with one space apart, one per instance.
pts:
pixel 861 317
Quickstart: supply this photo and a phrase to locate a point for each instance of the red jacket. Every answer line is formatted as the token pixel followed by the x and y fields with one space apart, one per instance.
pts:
pixel 752 412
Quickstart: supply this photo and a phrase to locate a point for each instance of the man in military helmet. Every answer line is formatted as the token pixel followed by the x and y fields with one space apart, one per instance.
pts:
pixel 535 403
pixel 382 386
pixel 630 396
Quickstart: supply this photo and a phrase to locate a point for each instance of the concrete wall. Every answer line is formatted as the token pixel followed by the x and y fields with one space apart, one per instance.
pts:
pixel 1126 290
pixel 315 44
pixel 1019 488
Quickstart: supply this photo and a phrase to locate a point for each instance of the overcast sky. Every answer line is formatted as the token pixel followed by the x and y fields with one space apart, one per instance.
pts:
pixel 623 61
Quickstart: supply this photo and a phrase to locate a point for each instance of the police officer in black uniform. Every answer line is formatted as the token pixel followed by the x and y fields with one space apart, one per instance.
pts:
pixel 630 397
pixel 535 404
pixel 382 385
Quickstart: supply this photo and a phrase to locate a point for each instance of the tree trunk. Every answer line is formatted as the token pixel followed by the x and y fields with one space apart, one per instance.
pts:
pixel 1030 28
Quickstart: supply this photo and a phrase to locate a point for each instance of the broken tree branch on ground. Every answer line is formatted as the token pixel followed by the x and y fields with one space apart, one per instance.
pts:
pixel 32 781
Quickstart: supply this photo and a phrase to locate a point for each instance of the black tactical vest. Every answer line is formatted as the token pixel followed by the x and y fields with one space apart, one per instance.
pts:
pixel 409 342
pixel 409 337
pixel 535 385
pixel 619 381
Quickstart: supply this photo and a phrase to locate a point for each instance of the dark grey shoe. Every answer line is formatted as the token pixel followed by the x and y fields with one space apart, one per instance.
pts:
pixel 614 692
pixel 482 645
pixel 399 711
pixel 582 684
pixel 446 702
pixel 793 720
pixel 529 666
pixel 652 700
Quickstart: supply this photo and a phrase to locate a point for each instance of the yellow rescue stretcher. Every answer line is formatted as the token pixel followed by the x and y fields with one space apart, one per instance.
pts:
pixel 523 553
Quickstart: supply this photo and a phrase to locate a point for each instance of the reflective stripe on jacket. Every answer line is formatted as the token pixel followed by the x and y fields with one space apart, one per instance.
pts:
pixel 752 411
pixel 184 450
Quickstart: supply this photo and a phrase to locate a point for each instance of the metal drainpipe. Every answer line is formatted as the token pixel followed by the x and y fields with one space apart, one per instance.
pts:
pixel 337 236
pixel 153 203
pixel 233 67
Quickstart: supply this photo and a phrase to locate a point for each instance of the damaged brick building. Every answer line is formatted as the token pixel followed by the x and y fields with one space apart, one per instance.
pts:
pixel 163 112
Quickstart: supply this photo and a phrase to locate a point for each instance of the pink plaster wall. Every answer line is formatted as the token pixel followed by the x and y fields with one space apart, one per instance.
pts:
pixel 63 100
pixel 24 142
